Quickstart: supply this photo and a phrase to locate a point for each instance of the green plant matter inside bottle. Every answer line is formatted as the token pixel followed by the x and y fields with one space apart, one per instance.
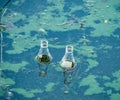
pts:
pixel 43 58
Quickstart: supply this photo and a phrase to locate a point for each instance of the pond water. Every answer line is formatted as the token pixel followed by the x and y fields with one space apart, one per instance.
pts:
pixel 91 27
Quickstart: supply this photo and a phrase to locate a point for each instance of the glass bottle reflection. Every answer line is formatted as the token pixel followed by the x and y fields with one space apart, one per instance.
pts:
pixel 43 58
pixel 68 64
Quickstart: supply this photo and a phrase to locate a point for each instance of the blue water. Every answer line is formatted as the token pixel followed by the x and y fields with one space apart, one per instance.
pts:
pixel 106 47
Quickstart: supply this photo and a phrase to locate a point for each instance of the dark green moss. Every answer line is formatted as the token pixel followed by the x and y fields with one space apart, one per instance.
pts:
pixel 43 59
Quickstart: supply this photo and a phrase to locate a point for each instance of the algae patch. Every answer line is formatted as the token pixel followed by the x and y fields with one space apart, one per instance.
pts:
pixel 6 81
pixel 49 87
pixel 26 93
pixel 115 84
pixel 13 67
pixel 115 96
pixel 93 85
pixel 92 63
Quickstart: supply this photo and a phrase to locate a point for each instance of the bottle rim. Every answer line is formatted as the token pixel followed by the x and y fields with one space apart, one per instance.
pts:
pixel 69 48
pixel 44 43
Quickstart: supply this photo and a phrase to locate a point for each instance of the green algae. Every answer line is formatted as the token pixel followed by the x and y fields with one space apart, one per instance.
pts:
pixel 13 67
pixel 109 92
pixel 49 87
pixel 87 51
pixel 21 44
pixel 4 85
pixel 107 31
pixel 35 23
pixel 115 96
pixel 2 92
pixel 102 29
pixel 105 47
pixel 26 93
pixel 24 43
pixel 92 63
pixel 19 16
pixel 94 90
pixel 38 98
pixel 57 68
pixel 116 74
pixel 6 81
pixel 57 46
pixel 115 84
pixel 106 78
pixel 17 2
pixel 93 85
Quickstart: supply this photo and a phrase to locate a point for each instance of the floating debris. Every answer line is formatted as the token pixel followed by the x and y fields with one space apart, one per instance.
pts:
pixel 105 21
pixel 43 14
pixel 81 25
pixel 85 40
pixel 64 23
pixel 10 93
pixel 66 92
pixel 43 31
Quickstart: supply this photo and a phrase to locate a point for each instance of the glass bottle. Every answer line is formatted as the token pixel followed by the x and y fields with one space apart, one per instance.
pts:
pixel 43 58
pixel 68 64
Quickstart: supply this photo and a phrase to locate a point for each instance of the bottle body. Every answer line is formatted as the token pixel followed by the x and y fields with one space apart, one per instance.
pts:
pixel 43 58
pixel 68 61
pixel 44 55
pixel 68 64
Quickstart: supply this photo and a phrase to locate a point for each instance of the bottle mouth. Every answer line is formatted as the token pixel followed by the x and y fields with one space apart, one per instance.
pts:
pixel 69 48
pixel 44 43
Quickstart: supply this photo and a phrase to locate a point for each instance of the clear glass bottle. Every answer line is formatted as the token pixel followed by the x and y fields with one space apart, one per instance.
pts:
pixel 68 64
pixel 43 58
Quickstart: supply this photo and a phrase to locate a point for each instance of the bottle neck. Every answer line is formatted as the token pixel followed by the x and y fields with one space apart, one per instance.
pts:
pixel 69 56
pixel 69 49
pixel 44 50
pixel 44 47
pixel 69 52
